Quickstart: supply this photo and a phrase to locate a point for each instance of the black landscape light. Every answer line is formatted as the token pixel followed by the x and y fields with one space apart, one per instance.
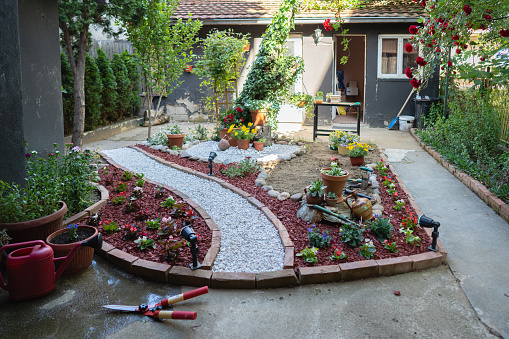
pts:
pixel 212 156
pixel 427 222
pixel 188 234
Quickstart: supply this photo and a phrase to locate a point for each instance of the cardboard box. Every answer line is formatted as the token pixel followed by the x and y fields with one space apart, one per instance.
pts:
pixel 352 91
pixel 352 83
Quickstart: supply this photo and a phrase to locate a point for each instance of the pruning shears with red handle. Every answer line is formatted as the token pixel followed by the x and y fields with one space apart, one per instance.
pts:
pixel 155 310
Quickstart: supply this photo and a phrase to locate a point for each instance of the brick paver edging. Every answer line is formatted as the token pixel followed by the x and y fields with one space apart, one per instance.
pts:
pixel 179 275
pixel 91 209
pixel 497 204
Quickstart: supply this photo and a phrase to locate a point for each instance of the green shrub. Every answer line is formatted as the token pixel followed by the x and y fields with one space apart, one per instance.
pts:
pixel 93 89
pixel 123 86
pixel 109 93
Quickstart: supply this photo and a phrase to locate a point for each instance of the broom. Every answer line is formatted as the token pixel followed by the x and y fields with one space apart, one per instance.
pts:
pixel 393 122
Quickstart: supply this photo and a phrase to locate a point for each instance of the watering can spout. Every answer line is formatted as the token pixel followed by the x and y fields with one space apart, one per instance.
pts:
pixel 96 242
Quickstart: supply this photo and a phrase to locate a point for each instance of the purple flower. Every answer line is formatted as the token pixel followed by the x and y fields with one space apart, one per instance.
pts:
pixel 310 230
pixel 28 155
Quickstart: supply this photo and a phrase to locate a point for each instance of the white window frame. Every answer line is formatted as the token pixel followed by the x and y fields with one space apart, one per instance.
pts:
pixel 400 72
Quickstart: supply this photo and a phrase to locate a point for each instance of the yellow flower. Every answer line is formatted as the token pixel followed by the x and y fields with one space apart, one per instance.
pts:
pixel 236 133
pixel 250 124
pixel 231 128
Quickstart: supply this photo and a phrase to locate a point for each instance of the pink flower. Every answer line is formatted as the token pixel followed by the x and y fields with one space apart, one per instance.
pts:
pixel 327 25
pixel 467 9
pixel 409 48
pixel 420 61
pixel 409 73
pixel 415 83
pixel 413 29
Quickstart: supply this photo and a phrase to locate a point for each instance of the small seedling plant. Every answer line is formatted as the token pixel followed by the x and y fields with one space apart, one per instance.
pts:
pixel 309 254
pixel 367 249
pixel 381 167
pixel 119 199
pixel 390 246
pixel 153 224
pixel 399 204
pixel 127 176
pixel 318 240
pixel 172 247
pixel 110 226
pixel 144 243
pixel 121 187
pixel 337 254
pixel 168 203
pixel 73 231
pixel 410 237
pixel 409 221
pixel 241 169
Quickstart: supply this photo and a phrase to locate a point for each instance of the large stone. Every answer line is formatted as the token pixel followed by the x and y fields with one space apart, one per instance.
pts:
pixel 263 175
pixel 287 157
pixel 194 158
pixel 297 196
pixel 184 154
pixel 260 182
pixel 223 145
pixel 283 196
pixel 309 214
pixel 268 188
pixel 273 193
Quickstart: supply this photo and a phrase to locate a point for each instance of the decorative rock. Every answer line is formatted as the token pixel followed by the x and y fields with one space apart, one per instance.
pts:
pixel 282 142
pixel 194 158
pixel 300 144
pixel 263 175
pixel 293 155
pixel 268 188
pixel 173 152
pixel 203 160
pixel 223 145
pixel 145 143
pixel 260 182
pixel 309 215
pixel 283 196
pixel 297 196
pixel 227 161
pixel 377 197
pixel 287 157
pixel 184 154
pixel 273 193
pixel 331 218
pixel 370 165
pixel 186 146
pixel 158 147
pixel 196 142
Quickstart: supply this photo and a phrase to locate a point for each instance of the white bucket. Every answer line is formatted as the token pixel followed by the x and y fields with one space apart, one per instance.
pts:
pixel 406 122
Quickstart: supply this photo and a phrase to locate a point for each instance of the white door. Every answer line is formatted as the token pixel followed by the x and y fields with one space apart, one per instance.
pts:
pixel 289 113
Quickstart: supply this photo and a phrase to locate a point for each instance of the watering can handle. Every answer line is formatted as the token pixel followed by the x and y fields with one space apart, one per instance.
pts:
pixel 18 245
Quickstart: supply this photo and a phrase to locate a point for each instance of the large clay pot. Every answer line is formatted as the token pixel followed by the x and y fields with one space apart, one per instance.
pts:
pixel 37 229
pixel 243 143
pixel 258 117
pixel 83 257
pixel 175 140
pixel 357 161
pixel 361 207
pixel 334 183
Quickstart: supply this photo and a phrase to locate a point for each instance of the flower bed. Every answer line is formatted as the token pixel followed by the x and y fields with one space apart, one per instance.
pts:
pixel 298 229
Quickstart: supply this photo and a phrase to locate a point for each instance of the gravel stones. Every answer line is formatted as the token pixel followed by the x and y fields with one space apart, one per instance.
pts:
pixel 244 229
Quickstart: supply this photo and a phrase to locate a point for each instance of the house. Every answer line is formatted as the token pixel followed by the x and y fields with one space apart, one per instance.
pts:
pixel 374 73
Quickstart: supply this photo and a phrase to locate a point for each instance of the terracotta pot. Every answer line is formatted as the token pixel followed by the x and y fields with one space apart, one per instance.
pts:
pixel 223 132
pixel 37 229
pixel 334 183
pixel 331 202
pixel 342 150
pixel 175 140
pixel 243 143
pixel 302 103
pixel 258 145
pixel 247 47
pixel 189 69
pixel 232 141
pixel 83 257
pixel 258 117
pixel 318 100
pixel 357 161
pixel 316 200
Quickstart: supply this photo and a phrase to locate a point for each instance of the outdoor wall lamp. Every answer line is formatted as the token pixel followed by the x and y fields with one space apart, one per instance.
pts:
pixel 317 35
pixel 425 221
pixel 188 234
pixel 212 156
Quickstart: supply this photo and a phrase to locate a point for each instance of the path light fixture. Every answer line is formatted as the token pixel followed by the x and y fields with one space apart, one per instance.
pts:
pixel 427 222
pixel 188 234
pixel 317 35
pixel 212 156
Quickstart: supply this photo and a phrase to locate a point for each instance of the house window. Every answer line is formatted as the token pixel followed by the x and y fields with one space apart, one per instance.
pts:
pixel 393 58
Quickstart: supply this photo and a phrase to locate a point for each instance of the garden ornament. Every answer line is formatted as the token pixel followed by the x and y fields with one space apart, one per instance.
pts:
pixel 346 220
pixel 31 267
pixel 425 221
pixel 154 310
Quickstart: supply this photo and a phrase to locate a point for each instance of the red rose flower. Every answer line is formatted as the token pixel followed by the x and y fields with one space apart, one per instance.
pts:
pixel 239 109
pixel 420 61
pixel 482 27
pixel 487 17
pixel 415 83
pixel 438 50
pixel 455 37
pixel 327 25
pixel 467 9
pixel 423 3
pixel 449 63
pixel 504 33
pixel 413 29
pixel 409 73
pixel 458 51
pixel 482 58
pixel 409 48
pixel 429 45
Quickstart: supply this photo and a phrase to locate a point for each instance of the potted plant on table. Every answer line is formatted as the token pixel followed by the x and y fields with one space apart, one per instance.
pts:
pixel 244 136
pixel 334 178
pixel 319 97
pixel 258 145
pixel 357 152
pixel 175 137
pixel 315 192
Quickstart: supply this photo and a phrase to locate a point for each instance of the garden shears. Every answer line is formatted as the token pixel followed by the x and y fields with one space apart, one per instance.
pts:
pixel 155 310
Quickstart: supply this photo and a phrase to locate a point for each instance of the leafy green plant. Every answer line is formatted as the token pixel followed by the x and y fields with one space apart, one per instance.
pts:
pixel 172 247
pixel 4 238
pixel 399 204
pixel 337 254
pixel 201 132
pixel 410 238
pixel 168 227
pixel 390 246
pixel 144 243
pixel 168 203
pixel 140 182
pixel 121 187
pixel 381 167
pixel 109 96
pixel 131 232
pixel 409 221
pixel 309 254
pixel 303 100
pixel 245 133
pixel 154 224
pixel 175 129
pixel 73 231
pixel 342 138
pixel 93 90
pixel 110 226
pixel 241 169
pixel 381 228
pixel 331 195
pixel 351 234
pixel 367 249
pixel 317 188
pixel 318 240
pixel 119 199
pixel 356 149
pixel 334 170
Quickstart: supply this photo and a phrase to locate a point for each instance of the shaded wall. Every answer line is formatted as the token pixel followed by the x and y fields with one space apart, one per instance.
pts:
pixel 30 85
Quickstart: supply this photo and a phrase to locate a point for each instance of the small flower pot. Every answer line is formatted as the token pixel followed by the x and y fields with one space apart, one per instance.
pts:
pixel 331 202
pixel 189 69
pixel 302 103
pixel 316 200
pixel 357 161
pixel 318 100
pixel 258 145
pixel 247 47
pixel 175 140
pixel 243 143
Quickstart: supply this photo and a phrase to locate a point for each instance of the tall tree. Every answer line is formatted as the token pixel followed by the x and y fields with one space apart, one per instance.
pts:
pixel 123 86
pixel 67 93
pixel 93 89
pixel 109 95
pixel 163 46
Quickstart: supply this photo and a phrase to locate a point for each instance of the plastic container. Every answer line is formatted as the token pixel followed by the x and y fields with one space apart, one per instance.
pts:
pixel 406 122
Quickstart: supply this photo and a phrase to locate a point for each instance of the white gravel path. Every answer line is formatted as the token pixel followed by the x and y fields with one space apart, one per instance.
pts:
pixel 249 241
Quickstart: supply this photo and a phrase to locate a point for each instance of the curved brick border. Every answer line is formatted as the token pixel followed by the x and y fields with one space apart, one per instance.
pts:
pixel 179 275
pixel 91 209
pixel 479 189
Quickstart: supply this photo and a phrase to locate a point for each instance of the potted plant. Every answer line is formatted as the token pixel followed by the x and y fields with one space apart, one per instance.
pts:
pixel 327 97
pixel 258 145
pixel 341 139
pixel 175 137
pixel 188 69
pixel 357 152
pixel 243 136
pixel 226 120
pixel 315 192
pixel 303 100
pixel 331 199
pixel 34 212
pixel 64 240
pixel 334 178
pixel 319 97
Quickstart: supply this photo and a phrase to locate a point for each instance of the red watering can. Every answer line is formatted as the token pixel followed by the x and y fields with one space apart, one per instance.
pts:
pixel 31 269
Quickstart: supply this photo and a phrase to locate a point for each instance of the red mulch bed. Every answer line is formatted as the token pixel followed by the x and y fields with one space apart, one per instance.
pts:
pixel 286 211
